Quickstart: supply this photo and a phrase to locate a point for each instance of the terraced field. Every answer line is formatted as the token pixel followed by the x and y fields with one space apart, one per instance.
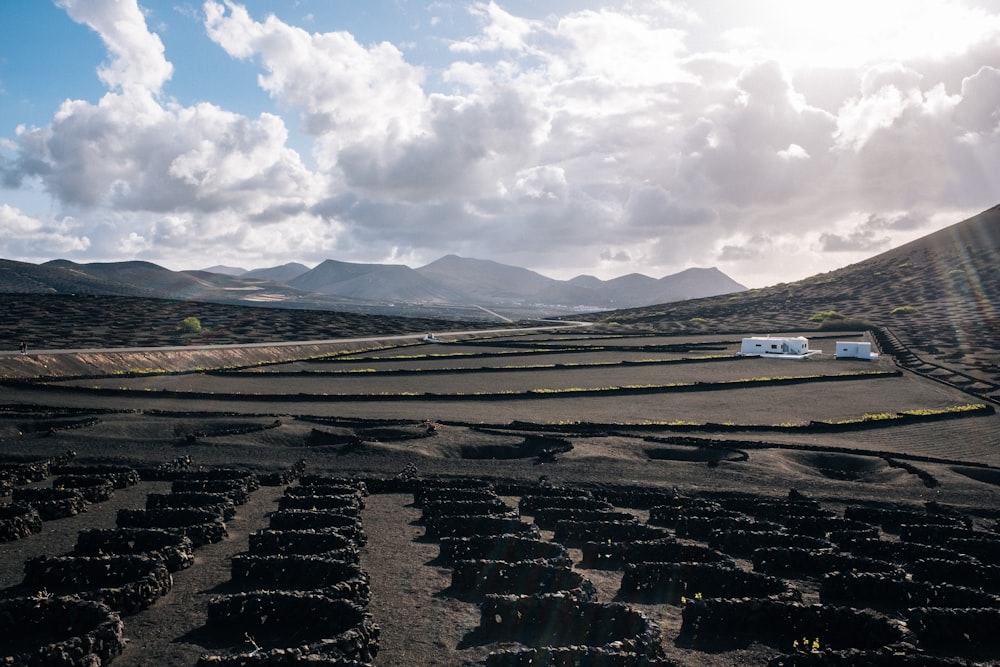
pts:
pixel 691 506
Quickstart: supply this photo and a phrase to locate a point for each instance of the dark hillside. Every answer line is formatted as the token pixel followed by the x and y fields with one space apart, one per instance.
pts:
pixel 939 295
pixel 951 273
pixel 54 321
pixel 53 278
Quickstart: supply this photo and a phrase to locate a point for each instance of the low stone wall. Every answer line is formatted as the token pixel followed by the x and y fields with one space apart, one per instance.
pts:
pixel 509 548
pixel 302 542
pixel 564 620
pixel 93 488
pixel 432 489
pixel 59 631
pixel 126 584
pixel 896 657
pixel 121 476
pixel 467 526
pixel 358 490
pixel 898 552
pixel 670 515
pixel 635 498
pixel 342 504
pixel 960 630
pixel 334 485
pixel 892 520
pixel 779 623
pixel 307 655
pixel 308 624
pixel 391 485
pixel 51 503
pixel 927 534
pixel 334 578
pixel 670 582
pixel 219 503
pixel 986 550
pixel 348 526
pixel 19 474
pixel 780 560
pixel 613 555
pixel 533 503
pixel 703 527
pixel 17 521
pixel 434 510
pixel 243 478
pixel 776 510
pixel 894 592
pixel 237 490
pixel 200 526
pixel 481 577
pixel 548 518
pixel 576 533
pixel 571 656
pixel 822 526
pixel 175 550
pixel 281 477
pixel 742 543
pixel 959 573
pixel 453 494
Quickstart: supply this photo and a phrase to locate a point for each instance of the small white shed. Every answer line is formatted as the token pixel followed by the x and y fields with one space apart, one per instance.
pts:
pixel 855 350
pixel 778 347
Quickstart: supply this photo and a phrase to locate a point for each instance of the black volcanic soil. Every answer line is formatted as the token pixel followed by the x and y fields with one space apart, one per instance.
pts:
pixel 755 439
pixel 634 409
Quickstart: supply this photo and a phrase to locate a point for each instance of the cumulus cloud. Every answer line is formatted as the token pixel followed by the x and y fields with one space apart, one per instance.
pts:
pixel 132 157
pixel 137 55
pixel 871 234
pixel 130 153
pixel 347 94
pixel 28 237
pixel 502 31
pixel 624 137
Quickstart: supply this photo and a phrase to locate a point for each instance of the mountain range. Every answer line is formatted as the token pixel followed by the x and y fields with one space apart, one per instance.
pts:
pixel 447 284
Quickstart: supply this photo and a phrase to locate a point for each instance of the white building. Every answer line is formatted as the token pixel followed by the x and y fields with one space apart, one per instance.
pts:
pixel 855 350
pixel 777 347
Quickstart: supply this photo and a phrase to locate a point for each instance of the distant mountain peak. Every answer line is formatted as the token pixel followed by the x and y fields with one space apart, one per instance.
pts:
pixel 463 282
pixel 225 270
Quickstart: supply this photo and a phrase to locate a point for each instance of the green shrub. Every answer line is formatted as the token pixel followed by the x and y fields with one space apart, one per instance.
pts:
pixel 190 325
pixel 827 315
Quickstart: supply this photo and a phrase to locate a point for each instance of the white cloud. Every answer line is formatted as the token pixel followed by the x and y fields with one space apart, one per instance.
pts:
pixel 129 153
pixel 632 136
pixel 22 235
pixel 347 94
pixel 978 111
pixel 502 31
pixel 542 184
pixel 137 55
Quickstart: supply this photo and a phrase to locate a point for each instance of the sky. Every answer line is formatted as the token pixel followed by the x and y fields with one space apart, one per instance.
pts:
pixel 773 139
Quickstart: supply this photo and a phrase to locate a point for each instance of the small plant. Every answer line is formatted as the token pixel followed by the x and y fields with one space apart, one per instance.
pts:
pixel 805 645
pixel 827 315
pixel 190 325
pixel 41 596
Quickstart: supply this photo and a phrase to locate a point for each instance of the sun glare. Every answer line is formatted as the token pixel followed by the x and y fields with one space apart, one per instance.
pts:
pixel 859 32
